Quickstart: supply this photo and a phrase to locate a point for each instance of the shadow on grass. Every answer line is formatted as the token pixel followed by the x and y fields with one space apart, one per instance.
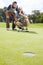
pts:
pixel 32 32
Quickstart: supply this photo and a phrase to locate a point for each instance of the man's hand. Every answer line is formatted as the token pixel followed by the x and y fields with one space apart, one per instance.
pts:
pixel 20 13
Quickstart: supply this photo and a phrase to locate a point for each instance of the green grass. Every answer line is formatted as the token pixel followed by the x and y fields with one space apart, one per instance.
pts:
pixel 3 25
pixel 13 44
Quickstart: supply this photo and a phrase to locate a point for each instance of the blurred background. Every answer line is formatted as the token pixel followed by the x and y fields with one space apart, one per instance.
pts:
pixel 32 8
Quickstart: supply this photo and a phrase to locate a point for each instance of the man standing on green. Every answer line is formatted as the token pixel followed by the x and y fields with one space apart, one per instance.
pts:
pixel 10 12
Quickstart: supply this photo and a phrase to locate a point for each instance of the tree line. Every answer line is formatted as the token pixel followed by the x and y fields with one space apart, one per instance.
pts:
pixel 35 17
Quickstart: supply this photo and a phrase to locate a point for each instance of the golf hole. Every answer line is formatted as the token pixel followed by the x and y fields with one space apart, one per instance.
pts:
pixel 29 54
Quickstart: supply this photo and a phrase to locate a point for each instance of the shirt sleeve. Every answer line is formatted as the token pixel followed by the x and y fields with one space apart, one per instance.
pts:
pixel 17 8
pixel 9 7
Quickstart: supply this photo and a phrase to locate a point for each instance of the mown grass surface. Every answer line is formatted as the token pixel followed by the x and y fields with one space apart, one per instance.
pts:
pixel 13 44
pixel 37 25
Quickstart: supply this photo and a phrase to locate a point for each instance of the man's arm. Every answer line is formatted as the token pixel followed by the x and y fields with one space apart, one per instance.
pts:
pixel 7 11
pixel 23 15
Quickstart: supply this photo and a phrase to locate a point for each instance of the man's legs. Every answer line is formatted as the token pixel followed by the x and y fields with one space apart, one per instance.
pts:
pixel 7 23
pixel 27 23
pixel 26 20
pixel 18 23
pixel 7 20
pixel 13 25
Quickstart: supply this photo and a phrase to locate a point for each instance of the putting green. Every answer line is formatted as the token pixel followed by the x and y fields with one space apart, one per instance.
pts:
pixel 13 44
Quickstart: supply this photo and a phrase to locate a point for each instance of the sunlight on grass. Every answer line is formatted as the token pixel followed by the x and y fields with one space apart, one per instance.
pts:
pixel 13 44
